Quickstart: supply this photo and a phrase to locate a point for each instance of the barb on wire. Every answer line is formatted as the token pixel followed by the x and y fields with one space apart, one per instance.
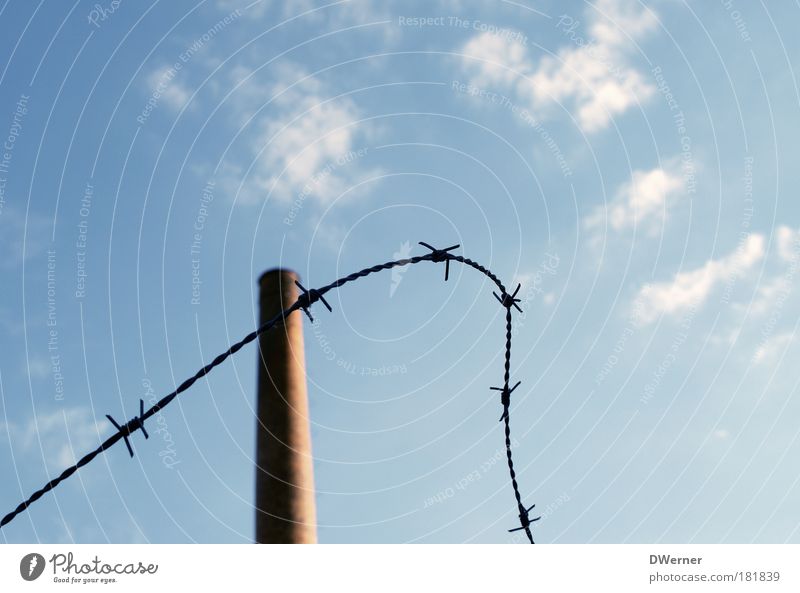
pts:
pixel 505 397
pixel 308 298
pixel 524 519
pixel 441 255
pixel 132 426
pixel 304 302
pixel 509 300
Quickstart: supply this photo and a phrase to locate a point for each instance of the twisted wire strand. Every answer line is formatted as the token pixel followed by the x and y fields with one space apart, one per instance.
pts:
pixel 304 302
pixel 523 512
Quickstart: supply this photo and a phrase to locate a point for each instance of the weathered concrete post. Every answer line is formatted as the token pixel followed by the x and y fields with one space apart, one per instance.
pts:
pixel 285 509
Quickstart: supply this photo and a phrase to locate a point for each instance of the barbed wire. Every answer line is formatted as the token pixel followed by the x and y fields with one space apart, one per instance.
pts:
pixel 307 298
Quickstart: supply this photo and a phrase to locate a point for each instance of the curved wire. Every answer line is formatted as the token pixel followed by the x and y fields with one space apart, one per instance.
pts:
pixel 304 302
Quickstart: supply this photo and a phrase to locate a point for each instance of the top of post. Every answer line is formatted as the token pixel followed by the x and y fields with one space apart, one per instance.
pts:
pixel 275 273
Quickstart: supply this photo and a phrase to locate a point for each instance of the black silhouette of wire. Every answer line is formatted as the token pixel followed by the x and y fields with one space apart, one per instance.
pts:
pixel 304 303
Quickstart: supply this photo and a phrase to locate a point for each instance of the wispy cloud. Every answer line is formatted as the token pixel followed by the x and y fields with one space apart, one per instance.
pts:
pixel 770 292
pixel 614 22
pixel 65 435
pixel 769 350
pixel 788 241
pixel 692 288
pixel 162 83
pixel 642 201
pixel 496 60
pixel 590 76
pixel 307 148
pixel 775 288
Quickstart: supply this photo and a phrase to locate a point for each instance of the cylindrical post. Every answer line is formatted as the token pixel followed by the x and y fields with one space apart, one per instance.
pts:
pixel 285 511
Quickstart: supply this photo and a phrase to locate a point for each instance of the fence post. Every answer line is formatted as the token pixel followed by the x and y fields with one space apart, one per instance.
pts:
pixel 285 509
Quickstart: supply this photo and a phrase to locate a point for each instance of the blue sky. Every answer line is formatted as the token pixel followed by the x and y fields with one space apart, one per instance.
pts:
pixel 632 165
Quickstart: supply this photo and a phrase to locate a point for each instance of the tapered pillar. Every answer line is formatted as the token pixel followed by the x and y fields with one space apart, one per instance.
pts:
pixel 285 510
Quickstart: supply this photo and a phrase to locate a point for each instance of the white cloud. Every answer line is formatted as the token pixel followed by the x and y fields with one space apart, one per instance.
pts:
pixel 498 60
pixel 788 243
pixel 307 148
pixel 592 77
pixel 726 336
pixel 299 146
pixel 65 435
pixel 618 19
pixel 643 200
pixel 769 350
pixel 692 288
pixel 770 293
pixel 776 286
pixel 162 82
